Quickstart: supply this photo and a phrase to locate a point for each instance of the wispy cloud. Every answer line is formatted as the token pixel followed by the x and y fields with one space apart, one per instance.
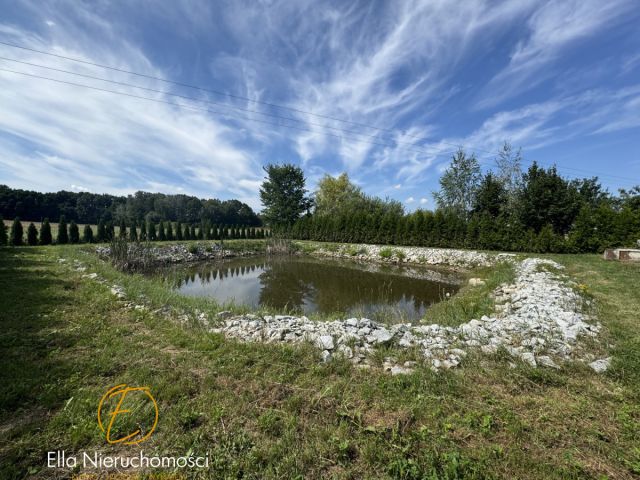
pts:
pixel 132 144
pixel 433 76
pixel 554 27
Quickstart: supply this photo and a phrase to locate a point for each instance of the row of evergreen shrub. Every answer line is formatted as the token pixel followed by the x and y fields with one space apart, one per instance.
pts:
pixel 105 232
pixel 593 230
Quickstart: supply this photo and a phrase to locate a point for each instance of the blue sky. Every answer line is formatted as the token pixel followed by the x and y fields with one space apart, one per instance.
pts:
pixel 561 79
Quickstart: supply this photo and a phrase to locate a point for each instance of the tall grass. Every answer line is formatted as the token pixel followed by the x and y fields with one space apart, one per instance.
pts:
pixel 130 256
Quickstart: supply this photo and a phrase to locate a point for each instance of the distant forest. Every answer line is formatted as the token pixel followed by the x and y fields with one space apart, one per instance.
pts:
pixel 90 208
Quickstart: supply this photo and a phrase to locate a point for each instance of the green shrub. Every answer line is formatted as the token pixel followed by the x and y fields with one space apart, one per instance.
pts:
pixel 45 233
pixel 16 232
pixel 32 234
pixel 74 233
pixel 386 252
pixel 63 234
pixel 87 234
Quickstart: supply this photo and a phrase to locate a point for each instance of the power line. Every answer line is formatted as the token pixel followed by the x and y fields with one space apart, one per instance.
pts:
pixel 190 107
pixel 209 110
pixel 226 105
pixel 217 92
pixel 274 105
pixel 420 149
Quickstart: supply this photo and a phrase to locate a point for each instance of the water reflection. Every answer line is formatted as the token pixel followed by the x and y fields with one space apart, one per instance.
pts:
pixel 307 285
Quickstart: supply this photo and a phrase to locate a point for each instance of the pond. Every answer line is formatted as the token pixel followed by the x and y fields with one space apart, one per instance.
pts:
pixel 305 285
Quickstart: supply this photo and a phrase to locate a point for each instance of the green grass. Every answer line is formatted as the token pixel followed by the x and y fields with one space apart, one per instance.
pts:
pixel 268 411
pixel 471 302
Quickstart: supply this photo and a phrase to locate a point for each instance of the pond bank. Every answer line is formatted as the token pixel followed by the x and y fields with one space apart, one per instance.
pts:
pixel 538 319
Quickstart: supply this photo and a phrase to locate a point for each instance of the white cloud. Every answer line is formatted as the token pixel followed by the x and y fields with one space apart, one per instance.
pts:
pixel 424 201
pixel 410 200
pixel 107 142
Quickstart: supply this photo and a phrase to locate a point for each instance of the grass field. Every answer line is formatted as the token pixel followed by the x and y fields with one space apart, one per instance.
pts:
pixel 267 411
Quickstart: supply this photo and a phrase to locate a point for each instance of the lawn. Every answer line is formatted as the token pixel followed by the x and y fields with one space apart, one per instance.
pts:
pixel 268 411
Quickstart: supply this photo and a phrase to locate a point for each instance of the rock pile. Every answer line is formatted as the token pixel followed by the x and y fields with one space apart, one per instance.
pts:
pixel 427 256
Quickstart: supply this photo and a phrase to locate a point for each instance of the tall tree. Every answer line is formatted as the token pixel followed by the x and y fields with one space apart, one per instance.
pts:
pixel 459 183
pixel 45 233
pixel 63 233
pixel 491 196
pixel 336 195
pixel 283 195
pixel 548 199
pixel 509 164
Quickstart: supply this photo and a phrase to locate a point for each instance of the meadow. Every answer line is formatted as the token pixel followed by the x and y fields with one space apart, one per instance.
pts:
pixel 277 411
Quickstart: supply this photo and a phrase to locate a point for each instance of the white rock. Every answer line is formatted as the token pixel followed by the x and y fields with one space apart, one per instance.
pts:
pixel 380 335
pixel 325 342
pixel 601 365
pixel 547 361
pixel 529 358
pixel 397 370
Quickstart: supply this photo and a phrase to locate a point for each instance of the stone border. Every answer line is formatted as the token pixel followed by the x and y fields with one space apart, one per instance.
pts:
pixel 539 319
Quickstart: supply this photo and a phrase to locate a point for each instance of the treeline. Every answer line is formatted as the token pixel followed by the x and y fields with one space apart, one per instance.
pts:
pixel 106 231
pixel 533 211
pixel 85 207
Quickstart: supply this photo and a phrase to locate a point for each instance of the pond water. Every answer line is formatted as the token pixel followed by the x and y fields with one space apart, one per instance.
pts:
pixel 304 285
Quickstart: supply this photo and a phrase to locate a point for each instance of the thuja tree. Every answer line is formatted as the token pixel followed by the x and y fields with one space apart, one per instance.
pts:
pixel 4 238
pixel 16 233
pixel 162 236
pixel 151 231
pixel 111 231
pixel 74 233
pixel 122 233
pixel 143 231
pixel 101 234
pixel 32 234
pixel 87 234
pixel 133 232
pixel 63 233
pixel 170 231
pixel 179 231
pixel 45 233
